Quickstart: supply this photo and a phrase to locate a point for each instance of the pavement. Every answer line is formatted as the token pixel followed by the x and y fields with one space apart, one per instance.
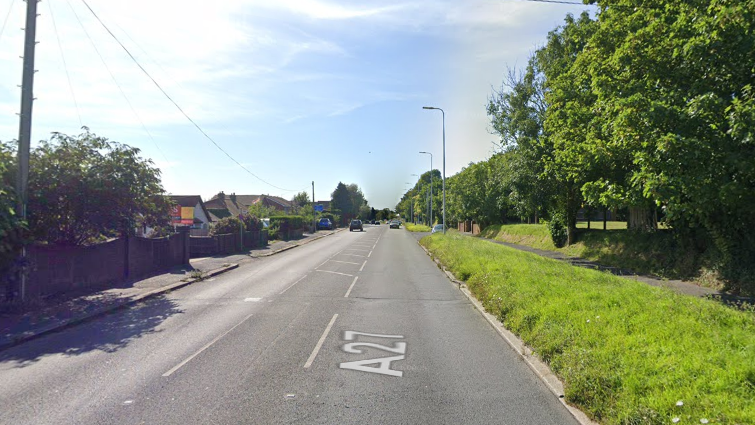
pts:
pixel 58 312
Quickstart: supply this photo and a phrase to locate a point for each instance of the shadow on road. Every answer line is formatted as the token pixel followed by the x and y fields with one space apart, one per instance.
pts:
pixel 108 333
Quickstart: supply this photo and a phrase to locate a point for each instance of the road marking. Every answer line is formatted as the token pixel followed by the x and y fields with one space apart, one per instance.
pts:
pixel 368 255
pixel 254 300
pixel 345 262
pixel 178 366
pixel 384 363
pixel 281 293
pixel 329 259
pixel 319 343
pixel 328 271
pixel 350 287
pixel 354 255
pixel 349 249
pixel 363 264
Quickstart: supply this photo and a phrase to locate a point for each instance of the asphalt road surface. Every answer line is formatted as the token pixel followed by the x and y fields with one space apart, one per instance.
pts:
pixel 358 327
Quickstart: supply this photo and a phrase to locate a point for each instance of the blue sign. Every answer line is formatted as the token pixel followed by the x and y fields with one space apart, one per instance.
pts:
pixel 319 207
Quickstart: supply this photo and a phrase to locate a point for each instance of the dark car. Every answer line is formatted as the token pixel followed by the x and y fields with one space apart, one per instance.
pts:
pixel 395 224
pixel 324 224
pixel 356 224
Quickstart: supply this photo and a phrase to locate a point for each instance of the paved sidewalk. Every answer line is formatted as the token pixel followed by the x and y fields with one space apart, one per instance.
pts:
pixel 56 313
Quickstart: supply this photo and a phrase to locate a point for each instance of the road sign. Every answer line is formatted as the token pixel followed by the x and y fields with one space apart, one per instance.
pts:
pixel 319 207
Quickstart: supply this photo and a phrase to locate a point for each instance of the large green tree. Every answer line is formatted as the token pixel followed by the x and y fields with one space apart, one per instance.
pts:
pixel 347 201
pixel 12 229
pixel 84 188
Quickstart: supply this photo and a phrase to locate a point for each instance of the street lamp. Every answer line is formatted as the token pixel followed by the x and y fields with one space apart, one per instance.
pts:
pixel 444 164
pixel 431 186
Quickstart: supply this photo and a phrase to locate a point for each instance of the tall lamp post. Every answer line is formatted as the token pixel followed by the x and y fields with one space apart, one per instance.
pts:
pixel 431 187
pixel 444 163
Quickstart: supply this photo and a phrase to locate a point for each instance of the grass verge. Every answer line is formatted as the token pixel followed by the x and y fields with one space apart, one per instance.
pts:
pixel 628 353
pixel 417 227
pixel 657 253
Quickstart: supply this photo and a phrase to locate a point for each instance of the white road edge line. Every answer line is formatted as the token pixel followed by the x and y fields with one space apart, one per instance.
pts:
pixel 342 274
pixel 363 264
pixel 300 279
pixel 319 343
pixel 351 287
pixel 178 366
pixel 368 255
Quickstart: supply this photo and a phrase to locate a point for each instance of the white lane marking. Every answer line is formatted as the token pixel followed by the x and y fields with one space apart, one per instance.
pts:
pixel 329 259
pixel 351 287
pixel 363 264
pixel 360 249
pixel 300 279
pixel 178 366
pixel 254 300
pixel 319 343
pixel 354 255
pixel 345 262
pixel 368 255
pixel 328 271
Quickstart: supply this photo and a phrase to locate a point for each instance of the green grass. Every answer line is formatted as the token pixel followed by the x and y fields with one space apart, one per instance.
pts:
pixel 627 352
pixel 417 227
pixel 657 253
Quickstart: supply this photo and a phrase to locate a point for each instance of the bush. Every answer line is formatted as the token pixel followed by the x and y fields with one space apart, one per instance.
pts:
pixel 225 226
pixel 251 223
pixel 557 229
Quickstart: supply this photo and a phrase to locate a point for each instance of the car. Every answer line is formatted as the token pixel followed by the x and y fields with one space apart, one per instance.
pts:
pixel 395 224
pixel 324 224
pixel 438 228
pixel 356 224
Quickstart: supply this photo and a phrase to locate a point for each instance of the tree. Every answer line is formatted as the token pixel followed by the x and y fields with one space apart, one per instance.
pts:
pixel 84 188
pixel 300 200
pixel 13 233
pixel 347 200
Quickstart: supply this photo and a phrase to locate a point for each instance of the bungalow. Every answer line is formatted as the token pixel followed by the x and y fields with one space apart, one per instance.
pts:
pixel 222 205
pixel 189 210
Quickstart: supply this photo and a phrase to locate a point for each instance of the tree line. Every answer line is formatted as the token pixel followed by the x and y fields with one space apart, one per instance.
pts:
pixel 645 107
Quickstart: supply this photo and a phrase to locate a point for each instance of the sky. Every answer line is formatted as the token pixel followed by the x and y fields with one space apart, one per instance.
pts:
pixel 295 91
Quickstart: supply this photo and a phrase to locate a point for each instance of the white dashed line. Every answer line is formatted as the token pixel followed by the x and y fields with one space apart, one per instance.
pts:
pixel 345 262
pixel 362 268
pixel 281 293
pixel 319 343
pixel 350 287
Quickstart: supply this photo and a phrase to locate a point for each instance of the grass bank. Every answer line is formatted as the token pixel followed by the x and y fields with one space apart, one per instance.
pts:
pixel 417 227
pixel 628 353
pixel 657 253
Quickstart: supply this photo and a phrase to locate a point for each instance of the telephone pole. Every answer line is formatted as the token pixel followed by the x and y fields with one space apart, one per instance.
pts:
pixel 24 128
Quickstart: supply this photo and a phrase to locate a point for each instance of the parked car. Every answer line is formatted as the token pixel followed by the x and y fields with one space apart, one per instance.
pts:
pixel 324 224
pixel 395 224
pixel 438 228
pixel 356 224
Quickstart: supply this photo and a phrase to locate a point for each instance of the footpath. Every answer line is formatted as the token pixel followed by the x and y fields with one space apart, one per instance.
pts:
pixel 679 286
pixel 58 312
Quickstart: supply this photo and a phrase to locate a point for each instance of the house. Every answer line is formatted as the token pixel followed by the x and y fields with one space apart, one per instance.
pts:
pixel 222 205
pixel 189 210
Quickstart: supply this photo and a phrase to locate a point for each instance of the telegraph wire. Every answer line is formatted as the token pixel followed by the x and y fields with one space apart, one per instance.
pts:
pixel 207 136
pixel 136 114
pixel 5 22
pixel 557 2
pixel 65 65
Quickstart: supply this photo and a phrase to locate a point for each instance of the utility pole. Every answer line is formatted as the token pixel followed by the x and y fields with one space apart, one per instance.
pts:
pixel 24 128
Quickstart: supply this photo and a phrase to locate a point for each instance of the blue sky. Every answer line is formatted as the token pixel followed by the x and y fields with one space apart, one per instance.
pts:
pixel 295 91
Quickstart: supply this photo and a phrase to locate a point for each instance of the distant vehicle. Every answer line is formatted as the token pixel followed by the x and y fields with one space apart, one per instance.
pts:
pixel 356 224
pixel 438 228
pixel 395 224
pixel 265 223
pixel 324 224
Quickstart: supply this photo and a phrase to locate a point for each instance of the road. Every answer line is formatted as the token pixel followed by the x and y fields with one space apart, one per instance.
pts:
pixel 356 327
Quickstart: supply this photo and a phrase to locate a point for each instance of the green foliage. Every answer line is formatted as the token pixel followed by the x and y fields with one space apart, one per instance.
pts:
pixel 262 211
pixel 283 225
pixel 251 223
pixel 226 225
pixel 347 201
pixel 417 227
pixel 13 231
pixel 84 188
pixel 626 351
pixel 557 229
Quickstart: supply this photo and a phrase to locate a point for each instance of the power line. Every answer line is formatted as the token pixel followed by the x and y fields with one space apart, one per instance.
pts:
pixel 5 22
pixel 136 114
pixel 65 65
pixel 557 2
pixel 207 136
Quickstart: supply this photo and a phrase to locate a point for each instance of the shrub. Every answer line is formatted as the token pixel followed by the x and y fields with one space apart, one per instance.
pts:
pixel 251 223
pixel 226 225
pixel 557 229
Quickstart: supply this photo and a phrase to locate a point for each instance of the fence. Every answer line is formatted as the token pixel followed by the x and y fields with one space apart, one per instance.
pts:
pixel 469 226
pixel 207 246
pixel 57 269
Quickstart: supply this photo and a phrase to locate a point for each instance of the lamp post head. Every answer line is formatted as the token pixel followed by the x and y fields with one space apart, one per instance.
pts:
pixel 429 107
